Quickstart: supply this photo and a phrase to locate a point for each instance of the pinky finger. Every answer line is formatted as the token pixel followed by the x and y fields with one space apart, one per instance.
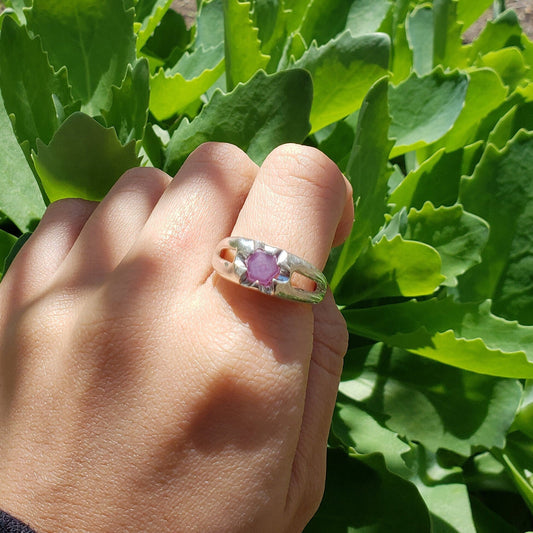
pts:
pixel 34 266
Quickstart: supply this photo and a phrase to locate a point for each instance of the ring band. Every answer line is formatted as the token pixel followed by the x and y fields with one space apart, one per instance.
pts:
pixel 268 269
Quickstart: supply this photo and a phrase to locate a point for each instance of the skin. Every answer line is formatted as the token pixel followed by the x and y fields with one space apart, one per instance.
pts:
pixel 139 390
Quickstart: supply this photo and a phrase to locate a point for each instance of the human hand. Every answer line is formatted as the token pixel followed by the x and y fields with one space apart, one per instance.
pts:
pixel 139 390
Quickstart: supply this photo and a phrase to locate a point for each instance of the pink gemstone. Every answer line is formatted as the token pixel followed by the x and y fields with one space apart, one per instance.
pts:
pixel 262 267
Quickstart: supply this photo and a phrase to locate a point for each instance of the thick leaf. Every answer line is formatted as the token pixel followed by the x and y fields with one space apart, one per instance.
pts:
pixel 443 491
pixel 83 160
pixel 501 32
pixel 20 197
pixel 458 237
pixel 402 55
pixel 436 180
pixel 524 417
pixel 18 9
pixel 129 108
pixel 437 405
pixel 174 91
pixel 210 25
pixel 419 28
pixel 391 268
pixel 38 97
pixel 368 171
pixel 257 116
pixel 360 427
pixel 447 42
pixel 363 496
pixel 242 46
pixel 467 336
pixel 518 459
pixel 355 63
pixel 424 108
pixel 337 140
pixel 324 20
pixel 501 192
pixel 468 11
pixel 485 93
pixel 100 40
pixel 519 117
pixel 7 241
pixel 520 96
pixel 509 63
pixel 385 393
pixel 151 20
pixel 169 40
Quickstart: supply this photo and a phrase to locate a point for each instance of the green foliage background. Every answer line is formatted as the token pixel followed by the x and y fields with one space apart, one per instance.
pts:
pixel 433 429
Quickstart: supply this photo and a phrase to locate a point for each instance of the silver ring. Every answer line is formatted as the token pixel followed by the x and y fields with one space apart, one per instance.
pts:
pixel 268 269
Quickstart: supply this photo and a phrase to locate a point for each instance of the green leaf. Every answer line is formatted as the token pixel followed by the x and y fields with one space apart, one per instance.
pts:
pixel 174 91
pixel 363 496
pixel 467 336
pixel 360 427
pixel 37 96
pixel 368 171
pixel 169 40
pixel 210 25
pixel 257 116
pixel 83 160
pixel 509 63
pixel 517 118
pixel 447 42
pixel 20 196
pixel 18 8
pixel 419 27
pixel 524 417
pixel 242 46
pixel 497 34
pixel 424 108
pixel 468 11
pixel 443 491
pixel 518 459
pixel 151 20
pixel 101 44
pixel 436 180
pixel 391 268
pixel 501 192
pixel 325 19
pixel 355 63
pixel 7 241
pixel 402 55
pixel 129 108
pixel 437 405
pixel 458 237
pixel 485 93
pixel 336 140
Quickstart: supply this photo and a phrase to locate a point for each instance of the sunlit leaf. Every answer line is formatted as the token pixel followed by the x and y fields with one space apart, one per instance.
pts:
pixel 68 167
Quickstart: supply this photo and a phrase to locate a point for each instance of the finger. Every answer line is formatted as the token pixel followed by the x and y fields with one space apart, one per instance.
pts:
pixel 197 210
pixel 34 266
pixel 346 222
pixel 330 344
pixel 296 202
pixel 114 226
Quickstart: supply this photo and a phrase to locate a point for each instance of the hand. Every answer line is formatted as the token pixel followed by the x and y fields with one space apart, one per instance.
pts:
pixel 139 390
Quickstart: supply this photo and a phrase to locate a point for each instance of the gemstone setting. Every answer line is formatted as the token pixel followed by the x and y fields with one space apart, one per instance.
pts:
pixel 262 267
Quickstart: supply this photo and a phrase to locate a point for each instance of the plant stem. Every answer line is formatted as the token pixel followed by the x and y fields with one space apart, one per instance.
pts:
pixel 498 7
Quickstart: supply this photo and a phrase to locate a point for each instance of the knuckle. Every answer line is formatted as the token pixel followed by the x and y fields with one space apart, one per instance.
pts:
pixel 67 208
pixel 308 167
pixel 141 179
pixel 224 155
